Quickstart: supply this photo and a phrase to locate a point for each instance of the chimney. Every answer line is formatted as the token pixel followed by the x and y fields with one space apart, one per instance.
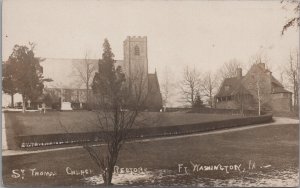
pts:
pixel 268 72
pixel 262 65
pixel 239 72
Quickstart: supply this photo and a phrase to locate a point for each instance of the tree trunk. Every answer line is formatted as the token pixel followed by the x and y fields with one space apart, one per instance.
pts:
pixel 210 98
pixel 259 108
pixel 87 83
pixel 107 176
pixel 192 97
pixel 23 104
pixel 12 100
pixel 104 175
pixel 87 96
pixel 295 97
pixel 295 105
pixel 259 98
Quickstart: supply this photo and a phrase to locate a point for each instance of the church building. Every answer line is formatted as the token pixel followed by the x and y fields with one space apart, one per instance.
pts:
pixel 65 87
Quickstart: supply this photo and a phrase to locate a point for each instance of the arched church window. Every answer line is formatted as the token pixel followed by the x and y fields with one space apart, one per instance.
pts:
pixel 136 50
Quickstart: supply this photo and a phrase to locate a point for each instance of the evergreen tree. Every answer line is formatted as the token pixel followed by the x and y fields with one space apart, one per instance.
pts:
pixel 198 103
pixel 26 73
pixel 8 81
pixel 108 80
pixel 111 95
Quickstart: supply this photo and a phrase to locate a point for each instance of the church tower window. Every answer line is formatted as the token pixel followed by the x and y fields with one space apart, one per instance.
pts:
pixel 136 50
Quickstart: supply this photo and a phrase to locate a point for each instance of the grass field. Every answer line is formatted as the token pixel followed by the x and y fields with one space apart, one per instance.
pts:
pixel 34 123
pixel 274 149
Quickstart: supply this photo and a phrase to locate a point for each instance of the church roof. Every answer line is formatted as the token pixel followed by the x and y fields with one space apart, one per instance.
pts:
pixel 153 82
pixel 154 98
pixel 61 71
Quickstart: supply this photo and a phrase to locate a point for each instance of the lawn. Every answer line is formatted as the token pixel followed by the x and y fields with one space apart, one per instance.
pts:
pixel 274 149
pixel 34 123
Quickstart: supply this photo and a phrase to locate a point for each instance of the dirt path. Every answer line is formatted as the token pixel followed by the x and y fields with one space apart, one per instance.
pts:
pixel 9 133
pixel 277 121
pixel 4 140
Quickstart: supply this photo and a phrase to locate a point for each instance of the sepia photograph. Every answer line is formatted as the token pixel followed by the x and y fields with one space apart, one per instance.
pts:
pixel 150 93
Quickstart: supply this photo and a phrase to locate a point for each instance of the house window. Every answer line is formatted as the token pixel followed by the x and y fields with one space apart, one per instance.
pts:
pixel 226 88
pixel 136 50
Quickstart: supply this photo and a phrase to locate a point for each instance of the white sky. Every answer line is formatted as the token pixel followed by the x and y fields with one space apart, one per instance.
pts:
pixel 204 34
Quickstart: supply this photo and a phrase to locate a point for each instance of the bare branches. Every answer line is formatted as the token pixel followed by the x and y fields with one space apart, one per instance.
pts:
pixel 229 69
pixel 291 72
pixel 119 106
pixel 166 87
pixel 208 87
pixel 190 84
pixel 118 102
pixel 258 81
pixel 84 71
pixel 292 21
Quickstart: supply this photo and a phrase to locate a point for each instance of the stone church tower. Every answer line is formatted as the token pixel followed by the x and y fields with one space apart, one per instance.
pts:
pixel 136 62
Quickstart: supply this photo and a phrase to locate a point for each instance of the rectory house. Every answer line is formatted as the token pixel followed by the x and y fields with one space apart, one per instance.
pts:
pixel 257 88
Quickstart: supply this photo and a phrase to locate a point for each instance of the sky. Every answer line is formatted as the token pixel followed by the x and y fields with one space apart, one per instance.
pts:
pixel 204 34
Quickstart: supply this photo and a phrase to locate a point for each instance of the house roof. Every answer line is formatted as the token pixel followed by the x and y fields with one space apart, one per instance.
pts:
pixel 275 81
pixel 280 90
pixel 232 86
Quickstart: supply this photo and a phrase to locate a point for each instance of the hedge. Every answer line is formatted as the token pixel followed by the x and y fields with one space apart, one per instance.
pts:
pixel 80 138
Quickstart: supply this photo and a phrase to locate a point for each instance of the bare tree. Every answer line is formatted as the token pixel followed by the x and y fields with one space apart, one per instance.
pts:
pixel 291 71
pixel 119 102
pixel 84 71
pixel 229 69
pixel 209 86
pixel 166 87
pixel 258 87
pixel 258 83
pixel 190 84
pixel 117 115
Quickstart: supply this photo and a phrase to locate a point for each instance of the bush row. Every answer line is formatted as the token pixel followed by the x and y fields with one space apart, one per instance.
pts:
pixel 224 111
pixel 215 111
pixel 80 138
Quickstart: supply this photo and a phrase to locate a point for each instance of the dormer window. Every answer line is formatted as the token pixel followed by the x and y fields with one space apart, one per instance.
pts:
pixel 136 50
pixel 227 88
